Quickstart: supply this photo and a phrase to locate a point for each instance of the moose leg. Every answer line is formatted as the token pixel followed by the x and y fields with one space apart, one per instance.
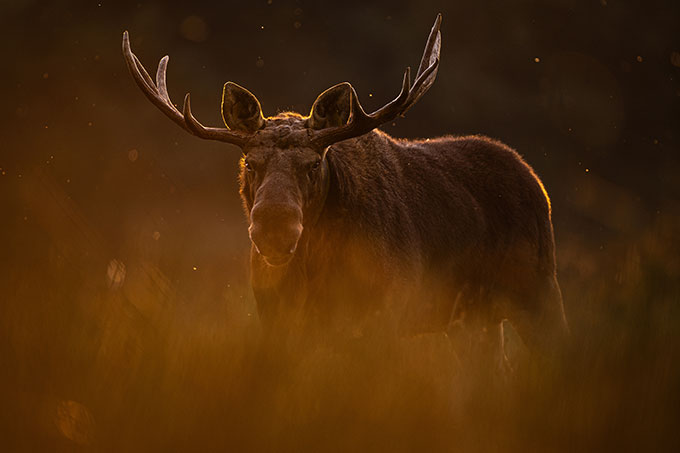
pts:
pixel 478 338
pixel 539 318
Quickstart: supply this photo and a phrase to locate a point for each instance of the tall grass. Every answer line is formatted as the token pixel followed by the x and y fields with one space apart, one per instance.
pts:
pixel 83 368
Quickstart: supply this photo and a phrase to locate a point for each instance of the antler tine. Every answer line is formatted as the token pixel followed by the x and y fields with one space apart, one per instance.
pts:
pixel 145 82
pixel 191 121
pixel 212 133
pixel 158 94
pixel 429 64
pixel 434 39
pixel 421 85
pixel 396 103
pixel 145 75
pixel 161 81
pixel 359 122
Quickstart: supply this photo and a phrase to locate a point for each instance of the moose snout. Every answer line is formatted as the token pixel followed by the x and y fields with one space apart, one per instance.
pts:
pixel 275 232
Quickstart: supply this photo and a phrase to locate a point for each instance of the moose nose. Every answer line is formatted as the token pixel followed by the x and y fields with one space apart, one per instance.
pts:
pixel 275 232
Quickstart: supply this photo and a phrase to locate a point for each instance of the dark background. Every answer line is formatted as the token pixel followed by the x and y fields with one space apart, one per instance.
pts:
pixel 126 319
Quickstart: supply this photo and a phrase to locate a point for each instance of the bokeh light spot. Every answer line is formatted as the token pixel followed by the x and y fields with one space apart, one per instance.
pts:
pixel 116 274
pixel 75 422
pixel 133 154
pixel 194 29
pixel 675 59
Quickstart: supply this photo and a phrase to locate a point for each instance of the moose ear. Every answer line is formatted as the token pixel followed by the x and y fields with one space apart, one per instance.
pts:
pixel 241 110
pixel 331 108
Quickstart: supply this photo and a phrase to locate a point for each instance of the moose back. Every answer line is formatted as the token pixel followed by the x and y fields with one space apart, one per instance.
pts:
pixel 349 225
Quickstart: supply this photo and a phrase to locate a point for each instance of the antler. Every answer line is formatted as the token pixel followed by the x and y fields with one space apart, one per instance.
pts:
pixel 157 93
pixel 360 122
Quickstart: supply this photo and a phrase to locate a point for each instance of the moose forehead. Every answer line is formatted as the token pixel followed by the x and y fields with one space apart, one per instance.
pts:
pixel 284 131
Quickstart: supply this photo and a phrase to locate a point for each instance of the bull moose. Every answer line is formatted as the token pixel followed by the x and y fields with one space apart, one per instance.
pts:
pixel 349 225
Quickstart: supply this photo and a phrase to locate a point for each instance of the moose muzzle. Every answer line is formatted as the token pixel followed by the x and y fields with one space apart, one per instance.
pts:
pixel 275 231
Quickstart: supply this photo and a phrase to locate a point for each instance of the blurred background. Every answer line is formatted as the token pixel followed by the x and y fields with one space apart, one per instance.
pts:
pixel 126 317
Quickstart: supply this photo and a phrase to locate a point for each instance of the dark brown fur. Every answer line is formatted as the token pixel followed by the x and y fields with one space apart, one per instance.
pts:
pixel 423 232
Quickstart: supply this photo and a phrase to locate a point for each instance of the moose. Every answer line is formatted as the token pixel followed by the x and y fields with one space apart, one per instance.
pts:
pixel 349 225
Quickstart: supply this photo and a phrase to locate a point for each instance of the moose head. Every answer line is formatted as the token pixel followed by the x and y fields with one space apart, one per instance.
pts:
pixel 284 170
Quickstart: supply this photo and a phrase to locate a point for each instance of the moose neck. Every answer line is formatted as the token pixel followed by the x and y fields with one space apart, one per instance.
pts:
pixel 325 175
pixel 356 166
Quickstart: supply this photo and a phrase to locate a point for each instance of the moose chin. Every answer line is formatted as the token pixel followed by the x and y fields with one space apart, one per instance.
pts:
pixel 348 223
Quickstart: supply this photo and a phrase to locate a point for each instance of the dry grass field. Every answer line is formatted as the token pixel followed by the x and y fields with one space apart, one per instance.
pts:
pixel 127 322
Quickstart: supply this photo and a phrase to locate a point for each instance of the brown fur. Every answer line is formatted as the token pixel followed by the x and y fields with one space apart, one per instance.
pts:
pixel 424 232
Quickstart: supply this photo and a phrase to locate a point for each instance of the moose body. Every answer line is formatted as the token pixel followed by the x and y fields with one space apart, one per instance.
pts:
pixel 425 232
pixel 349 225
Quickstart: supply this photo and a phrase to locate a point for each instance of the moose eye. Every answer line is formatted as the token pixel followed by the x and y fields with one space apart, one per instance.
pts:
pixel 314 166
pixel 248 166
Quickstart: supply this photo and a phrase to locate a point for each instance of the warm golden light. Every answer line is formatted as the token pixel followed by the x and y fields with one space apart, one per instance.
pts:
pixel 128 322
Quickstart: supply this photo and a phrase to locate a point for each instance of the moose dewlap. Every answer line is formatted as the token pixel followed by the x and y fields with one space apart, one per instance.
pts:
pixel 348 224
